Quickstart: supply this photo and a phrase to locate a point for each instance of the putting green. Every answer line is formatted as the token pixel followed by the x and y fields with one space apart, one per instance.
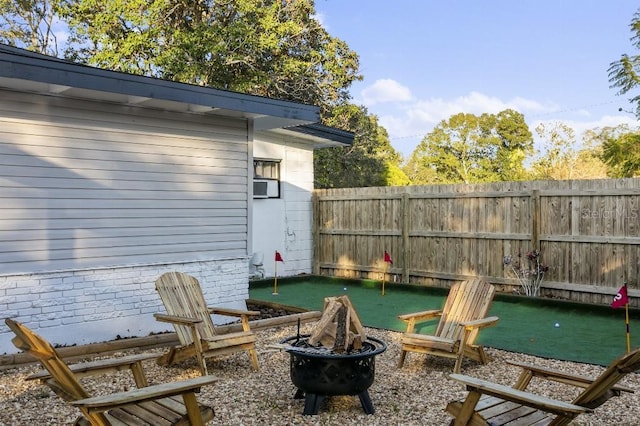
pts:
pixel 547 328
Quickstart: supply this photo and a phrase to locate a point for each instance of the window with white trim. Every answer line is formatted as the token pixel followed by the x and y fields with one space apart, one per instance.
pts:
pixel 266 178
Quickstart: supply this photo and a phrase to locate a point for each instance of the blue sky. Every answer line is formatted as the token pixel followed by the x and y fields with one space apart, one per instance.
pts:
pixel 425 60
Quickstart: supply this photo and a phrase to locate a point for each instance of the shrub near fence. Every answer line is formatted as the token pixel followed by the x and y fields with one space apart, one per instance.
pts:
pixel 588 232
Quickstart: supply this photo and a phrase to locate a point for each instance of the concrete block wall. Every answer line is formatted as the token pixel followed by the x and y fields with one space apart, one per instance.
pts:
pixel 88 306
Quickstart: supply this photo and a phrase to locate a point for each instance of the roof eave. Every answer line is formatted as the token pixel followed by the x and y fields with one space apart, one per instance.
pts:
pixel 45 74
pixel 321 136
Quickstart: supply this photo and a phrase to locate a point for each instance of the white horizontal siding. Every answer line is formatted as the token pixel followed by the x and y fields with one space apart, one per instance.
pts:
pixel 85 185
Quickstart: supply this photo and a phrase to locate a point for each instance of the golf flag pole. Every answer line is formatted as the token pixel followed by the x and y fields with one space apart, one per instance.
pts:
pixel 622 299
pixel 387 259
pixel 384 274
pixel 278 258
pixel 626 309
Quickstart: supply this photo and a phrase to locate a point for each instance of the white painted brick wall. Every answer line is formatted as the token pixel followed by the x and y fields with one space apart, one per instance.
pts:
pixel 80 307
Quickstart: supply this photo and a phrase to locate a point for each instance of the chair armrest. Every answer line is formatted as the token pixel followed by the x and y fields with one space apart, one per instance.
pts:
pixel 420 316
pixel 417 317
pixel 480 323
pixel 242 314
pixel 529 371
pixel 176 319
pixel 232 312
pixel 520 397
pixel 119 399
pixel 551 374
pixel 84 369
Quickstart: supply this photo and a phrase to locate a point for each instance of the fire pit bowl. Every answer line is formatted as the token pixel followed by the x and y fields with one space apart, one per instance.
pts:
pixel 318 372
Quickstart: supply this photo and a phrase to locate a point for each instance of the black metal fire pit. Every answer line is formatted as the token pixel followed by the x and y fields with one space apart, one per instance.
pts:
pixel 318 372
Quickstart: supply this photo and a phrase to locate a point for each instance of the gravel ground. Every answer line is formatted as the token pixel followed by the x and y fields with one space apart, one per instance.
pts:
pixel 414 395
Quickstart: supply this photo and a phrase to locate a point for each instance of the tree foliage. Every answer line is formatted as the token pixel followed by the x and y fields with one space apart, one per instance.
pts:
pixel 620 150
pixel 469 148
pixel 370 161
pixel 624 74
pixel 29 24
pixel 271 48
pixel 590 164
pixel 560 158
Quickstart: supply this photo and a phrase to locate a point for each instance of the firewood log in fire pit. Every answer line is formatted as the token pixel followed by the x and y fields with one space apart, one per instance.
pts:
pixel 339 328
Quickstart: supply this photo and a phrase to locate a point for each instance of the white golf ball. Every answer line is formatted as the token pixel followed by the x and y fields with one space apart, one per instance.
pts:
pixel 557 324
pixel 345 289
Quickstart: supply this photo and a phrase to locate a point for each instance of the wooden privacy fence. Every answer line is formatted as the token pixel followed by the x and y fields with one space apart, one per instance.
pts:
pixel 587 231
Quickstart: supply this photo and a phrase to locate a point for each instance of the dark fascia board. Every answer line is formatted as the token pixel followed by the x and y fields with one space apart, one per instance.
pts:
pixel 337 136
pixel 20 64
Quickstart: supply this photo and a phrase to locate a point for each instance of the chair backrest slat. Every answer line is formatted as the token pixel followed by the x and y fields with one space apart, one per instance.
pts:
pixel 599 391
pixel 467 301
pixel 182 296
pixel 66 384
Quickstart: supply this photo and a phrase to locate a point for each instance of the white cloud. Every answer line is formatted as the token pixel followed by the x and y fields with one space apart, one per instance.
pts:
pixel 416 119
pixel 385 90
pixel 61 31
pixel 479 103
pixel 322 19
pixel 612 121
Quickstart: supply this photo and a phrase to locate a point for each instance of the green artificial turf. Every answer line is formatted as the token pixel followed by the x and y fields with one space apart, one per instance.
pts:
pixel 547 328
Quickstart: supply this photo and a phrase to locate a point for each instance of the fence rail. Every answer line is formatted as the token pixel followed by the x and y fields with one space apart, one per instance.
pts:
pixel 588 232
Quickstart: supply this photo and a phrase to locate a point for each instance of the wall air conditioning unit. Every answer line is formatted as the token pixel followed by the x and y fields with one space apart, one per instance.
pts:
pixel 260 189
pixel 266 188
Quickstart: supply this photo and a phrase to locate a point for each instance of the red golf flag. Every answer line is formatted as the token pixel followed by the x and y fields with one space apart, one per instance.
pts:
pixel 621 298
pixel 387 258
pixel 278 257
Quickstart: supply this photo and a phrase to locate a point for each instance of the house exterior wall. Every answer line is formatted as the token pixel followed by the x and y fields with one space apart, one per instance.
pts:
pixel 98 199
pixel 285 224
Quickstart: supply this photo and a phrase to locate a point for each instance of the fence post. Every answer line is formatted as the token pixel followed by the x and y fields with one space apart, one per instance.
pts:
pixel 315 211
pixel 406 245
pixel 535 220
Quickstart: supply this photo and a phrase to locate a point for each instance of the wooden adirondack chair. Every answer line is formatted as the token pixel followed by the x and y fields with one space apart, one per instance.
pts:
pixel 491 404
pixel 169 403
pixel 464 314
pixel 188 312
